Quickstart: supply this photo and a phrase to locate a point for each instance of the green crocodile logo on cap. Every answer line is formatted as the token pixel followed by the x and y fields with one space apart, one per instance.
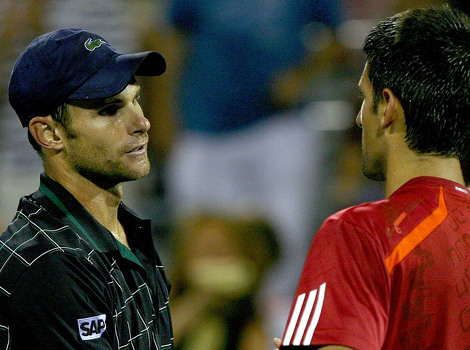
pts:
pixel 91 44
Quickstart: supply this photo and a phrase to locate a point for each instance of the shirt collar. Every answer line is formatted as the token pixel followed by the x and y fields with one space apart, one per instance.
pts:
pixel 55 198
pixel 426 182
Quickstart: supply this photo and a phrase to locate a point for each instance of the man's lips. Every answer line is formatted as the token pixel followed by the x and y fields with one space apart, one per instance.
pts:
pixel 138 149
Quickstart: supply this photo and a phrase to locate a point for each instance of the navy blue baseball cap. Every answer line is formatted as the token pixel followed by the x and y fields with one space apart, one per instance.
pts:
pixel 73 64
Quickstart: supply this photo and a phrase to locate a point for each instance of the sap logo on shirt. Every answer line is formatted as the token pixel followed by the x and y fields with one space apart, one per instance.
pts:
pixel 92 327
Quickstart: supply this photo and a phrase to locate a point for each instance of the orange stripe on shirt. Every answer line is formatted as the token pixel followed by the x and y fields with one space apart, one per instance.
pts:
pixel 417 235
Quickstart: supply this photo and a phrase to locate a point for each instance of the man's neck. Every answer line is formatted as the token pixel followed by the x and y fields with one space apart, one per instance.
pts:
pixel 407 165
pixel 101 203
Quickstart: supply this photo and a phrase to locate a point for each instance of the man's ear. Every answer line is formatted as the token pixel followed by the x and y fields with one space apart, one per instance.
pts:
pixel 46 132
pixel 392 108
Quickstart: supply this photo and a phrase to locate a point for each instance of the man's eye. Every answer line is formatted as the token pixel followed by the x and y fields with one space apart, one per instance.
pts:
pixel 110 110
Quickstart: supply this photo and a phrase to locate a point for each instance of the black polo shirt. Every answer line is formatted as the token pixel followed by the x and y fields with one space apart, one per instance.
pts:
pixel 66 283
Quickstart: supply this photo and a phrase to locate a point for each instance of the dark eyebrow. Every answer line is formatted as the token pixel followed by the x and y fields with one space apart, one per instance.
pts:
pixel 137 93
pixel 96 103
pixel 361 91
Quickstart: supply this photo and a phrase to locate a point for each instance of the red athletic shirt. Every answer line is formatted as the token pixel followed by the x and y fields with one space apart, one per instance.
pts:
pixel 392 274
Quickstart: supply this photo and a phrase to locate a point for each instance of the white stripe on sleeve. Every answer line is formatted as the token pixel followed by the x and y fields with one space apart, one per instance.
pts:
pixel 294 319
pixel 316 315
pixel 303 311
pixel 305 316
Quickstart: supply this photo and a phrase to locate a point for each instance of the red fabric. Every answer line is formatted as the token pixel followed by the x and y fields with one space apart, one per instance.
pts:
pixel 393 274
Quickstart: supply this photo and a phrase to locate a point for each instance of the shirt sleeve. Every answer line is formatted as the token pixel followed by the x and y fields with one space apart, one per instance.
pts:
pixel 341 298
pixel 61 302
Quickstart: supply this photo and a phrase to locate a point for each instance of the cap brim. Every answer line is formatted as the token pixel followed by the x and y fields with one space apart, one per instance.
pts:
pixel 114 76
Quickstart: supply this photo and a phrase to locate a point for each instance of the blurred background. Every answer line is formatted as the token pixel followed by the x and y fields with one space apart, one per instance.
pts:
pixel 253 141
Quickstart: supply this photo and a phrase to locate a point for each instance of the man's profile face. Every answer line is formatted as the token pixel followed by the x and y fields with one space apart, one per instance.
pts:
pixel 373 156
pixel 108 143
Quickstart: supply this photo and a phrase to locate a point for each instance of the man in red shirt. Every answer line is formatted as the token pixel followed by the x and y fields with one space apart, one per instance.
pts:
pixel 395 274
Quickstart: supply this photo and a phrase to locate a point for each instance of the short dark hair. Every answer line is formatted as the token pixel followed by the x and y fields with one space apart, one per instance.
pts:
pixel 423 57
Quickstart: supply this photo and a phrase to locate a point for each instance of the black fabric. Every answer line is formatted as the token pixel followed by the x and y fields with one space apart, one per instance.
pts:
pixel 62 273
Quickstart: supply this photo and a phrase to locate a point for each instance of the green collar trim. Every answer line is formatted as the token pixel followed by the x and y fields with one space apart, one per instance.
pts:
pixel 123 250
pixel 126 253
pixel 67 213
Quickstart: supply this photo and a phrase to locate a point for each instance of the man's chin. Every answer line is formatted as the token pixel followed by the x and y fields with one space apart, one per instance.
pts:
pixel 135 176
pixel 137 173
pixel 112 179
pixel 373 168
pixel 374 175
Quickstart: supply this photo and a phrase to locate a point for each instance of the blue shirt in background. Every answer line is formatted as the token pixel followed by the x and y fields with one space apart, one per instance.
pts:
pixel 236 48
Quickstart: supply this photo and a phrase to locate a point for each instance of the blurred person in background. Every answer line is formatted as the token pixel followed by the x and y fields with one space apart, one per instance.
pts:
pixel 221 260
pixel 20 22
pixel 239 137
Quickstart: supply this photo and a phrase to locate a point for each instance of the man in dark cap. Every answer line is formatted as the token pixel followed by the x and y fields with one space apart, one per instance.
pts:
pixel 79 270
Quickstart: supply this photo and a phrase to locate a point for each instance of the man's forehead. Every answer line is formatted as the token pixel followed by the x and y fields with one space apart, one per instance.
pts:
pixel 364 81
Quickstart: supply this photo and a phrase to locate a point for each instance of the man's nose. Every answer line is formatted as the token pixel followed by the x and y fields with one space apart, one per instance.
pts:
pixel 359 118
pixel 140 124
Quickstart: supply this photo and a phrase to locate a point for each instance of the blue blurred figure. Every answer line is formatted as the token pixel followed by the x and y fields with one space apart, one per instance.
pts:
pixel 237 48
pixel 247 67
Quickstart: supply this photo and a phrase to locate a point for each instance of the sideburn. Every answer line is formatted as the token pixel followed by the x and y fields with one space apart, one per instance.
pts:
pixel 62 116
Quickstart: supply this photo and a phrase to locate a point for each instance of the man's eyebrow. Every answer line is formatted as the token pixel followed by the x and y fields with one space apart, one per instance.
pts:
pixel 111 100
pixel 361 91
pixel 137 92
pixel 96 103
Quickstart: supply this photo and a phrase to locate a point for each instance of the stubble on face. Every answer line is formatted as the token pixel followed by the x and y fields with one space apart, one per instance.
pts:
pixel 373 161
pixel 100 150
pixel 107 172
pixel 373 167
